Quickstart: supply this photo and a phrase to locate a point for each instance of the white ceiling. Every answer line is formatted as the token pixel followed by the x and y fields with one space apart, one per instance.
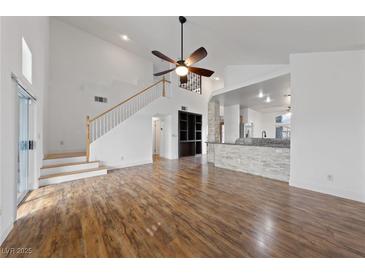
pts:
pixel 229 40
pixel 277 88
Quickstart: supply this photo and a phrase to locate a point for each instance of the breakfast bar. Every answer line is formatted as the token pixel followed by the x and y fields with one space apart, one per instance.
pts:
pixel 259 156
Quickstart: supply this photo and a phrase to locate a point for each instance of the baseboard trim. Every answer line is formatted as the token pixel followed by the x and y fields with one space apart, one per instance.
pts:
pixel 339 193
pixel 5 233
pixel 119 166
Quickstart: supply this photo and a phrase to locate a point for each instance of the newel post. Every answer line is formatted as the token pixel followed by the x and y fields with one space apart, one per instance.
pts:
pixel 87 138
pixel 163 86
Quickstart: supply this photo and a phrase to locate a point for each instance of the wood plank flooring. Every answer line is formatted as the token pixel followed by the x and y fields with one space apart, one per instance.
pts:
pixel 185 208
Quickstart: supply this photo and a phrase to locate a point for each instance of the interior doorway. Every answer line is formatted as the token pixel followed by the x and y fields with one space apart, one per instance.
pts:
pixel 23 143
pixel 156 136
pixel 162 136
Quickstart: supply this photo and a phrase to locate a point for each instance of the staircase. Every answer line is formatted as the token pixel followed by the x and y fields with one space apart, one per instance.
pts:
pixel 69 166
pixel 64 167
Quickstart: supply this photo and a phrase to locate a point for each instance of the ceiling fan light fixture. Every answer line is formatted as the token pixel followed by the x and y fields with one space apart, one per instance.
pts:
pixel 183 66
pixel 182 70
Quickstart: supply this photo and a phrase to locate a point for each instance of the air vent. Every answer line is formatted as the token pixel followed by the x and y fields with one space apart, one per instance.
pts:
pixel 100 99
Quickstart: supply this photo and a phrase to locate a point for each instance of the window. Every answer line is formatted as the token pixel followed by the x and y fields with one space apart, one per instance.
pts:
pixel 26 61
pixel 283 126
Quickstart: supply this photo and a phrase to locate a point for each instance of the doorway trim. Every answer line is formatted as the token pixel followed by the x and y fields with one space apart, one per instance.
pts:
pixel 16 79
pixel 23 92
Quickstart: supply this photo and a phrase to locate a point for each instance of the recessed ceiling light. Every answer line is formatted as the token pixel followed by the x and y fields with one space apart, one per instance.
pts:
pixel 261 94
pixel 125 37
pixel 268 99
pixel 216 78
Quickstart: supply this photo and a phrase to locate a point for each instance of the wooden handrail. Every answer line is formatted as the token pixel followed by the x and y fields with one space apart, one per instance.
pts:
pixel 88 120
pixel 130 98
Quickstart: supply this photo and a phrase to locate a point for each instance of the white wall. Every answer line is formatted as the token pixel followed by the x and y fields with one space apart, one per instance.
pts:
pixel 238 74
pixel 3 231
pixel 84 66
pixel 268 124
pixel 128 144
pixel 261 121
pixel 231 123
pixel 136 132
pixel 213 85
pixel 165 138
pixel 328 123
pixel 36 32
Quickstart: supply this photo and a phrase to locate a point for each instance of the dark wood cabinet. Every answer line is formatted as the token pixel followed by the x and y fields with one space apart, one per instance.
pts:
pixel 190 134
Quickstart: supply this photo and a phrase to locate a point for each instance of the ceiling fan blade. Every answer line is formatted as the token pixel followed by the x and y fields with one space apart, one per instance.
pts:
pixel 183 79
pixel 163 72
pixel 196 56
pixel 163 56
pixel 201 71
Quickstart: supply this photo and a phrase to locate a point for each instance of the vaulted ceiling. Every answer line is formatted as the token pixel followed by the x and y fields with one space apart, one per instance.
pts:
pixel 229 40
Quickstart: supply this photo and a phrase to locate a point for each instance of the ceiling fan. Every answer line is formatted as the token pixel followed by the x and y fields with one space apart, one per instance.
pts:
pixel 183 67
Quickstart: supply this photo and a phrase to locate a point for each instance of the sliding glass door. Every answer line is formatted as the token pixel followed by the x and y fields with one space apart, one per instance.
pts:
pixel 23 144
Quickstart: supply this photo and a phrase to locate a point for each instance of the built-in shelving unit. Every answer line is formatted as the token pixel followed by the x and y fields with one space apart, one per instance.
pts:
pixel 190 134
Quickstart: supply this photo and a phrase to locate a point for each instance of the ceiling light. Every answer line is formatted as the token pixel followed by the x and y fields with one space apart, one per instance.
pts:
pixel 261 94
pixel 125 37
pixel 268 99
pixel 216 78
pixel 181 70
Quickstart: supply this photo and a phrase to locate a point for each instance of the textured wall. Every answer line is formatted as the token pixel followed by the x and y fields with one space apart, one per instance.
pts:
pixel 213 122
pixel 268 162
pixel 210 153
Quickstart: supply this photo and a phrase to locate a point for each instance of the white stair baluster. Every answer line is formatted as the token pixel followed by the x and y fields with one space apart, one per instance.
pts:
pixel 99 127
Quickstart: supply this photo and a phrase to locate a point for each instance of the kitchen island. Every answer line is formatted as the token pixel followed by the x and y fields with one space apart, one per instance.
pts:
pixel 264 157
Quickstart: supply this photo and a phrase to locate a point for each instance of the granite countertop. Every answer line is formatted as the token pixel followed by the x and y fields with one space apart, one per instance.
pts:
pixel 261 142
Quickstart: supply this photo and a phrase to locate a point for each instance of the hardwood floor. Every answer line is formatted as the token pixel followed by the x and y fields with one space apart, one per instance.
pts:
pixel 185 208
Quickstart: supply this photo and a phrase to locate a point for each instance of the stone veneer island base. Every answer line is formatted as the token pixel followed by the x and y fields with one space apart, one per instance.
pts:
pixel 268 161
